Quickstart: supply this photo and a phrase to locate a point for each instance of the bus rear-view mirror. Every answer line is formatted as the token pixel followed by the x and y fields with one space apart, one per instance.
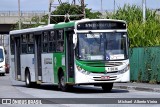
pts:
pixel 75 40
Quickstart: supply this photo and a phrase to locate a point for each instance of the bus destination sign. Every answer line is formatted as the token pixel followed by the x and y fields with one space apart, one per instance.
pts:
pixel 101 25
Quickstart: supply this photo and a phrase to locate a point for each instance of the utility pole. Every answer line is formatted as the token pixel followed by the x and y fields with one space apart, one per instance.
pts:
pixel 144 10
pixel 101 7
pixel 19 14
pixel 74 2
pixel 49 10
pixel 83 8
pixel 114 6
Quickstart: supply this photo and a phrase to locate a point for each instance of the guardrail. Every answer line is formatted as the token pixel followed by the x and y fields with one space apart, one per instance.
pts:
pixel 23 13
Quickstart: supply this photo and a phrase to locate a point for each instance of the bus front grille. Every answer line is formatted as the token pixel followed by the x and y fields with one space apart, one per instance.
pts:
pixel 104 80
pixel 107 64
pixel 113 72
pixel 112 78
pixel 113 64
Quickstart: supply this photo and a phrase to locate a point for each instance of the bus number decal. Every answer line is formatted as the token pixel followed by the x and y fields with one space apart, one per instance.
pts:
pixel 47 60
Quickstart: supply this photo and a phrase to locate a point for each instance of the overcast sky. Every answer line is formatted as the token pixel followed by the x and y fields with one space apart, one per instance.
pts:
pixel 38 5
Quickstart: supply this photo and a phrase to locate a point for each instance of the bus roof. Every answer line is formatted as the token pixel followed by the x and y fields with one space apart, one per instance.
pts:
pixel 59 25
pixel 64 24
pixel 50 26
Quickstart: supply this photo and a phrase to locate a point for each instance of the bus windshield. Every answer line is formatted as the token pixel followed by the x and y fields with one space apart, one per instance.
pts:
pixel 1 55
pixel 102 46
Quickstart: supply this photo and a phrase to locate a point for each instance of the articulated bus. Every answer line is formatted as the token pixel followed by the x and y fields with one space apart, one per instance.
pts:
pixel 82 52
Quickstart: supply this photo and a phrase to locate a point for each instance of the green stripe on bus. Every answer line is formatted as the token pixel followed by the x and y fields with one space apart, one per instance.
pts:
pixel 94 66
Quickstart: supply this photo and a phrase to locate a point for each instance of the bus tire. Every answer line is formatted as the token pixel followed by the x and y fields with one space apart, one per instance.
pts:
pixel 28 79
pixel 63 86
pixel 107 87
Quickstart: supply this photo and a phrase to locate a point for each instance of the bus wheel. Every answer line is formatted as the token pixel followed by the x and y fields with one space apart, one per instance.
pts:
pixel 28 79
pixel 62 83
pixel 107 87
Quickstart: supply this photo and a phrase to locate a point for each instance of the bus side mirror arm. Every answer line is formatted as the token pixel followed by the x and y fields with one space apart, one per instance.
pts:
pixel 75 40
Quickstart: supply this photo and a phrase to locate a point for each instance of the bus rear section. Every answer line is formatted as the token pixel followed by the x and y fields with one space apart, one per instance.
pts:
pixel 2 61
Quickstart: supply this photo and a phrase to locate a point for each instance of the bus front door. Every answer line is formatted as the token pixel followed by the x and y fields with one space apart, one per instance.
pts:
pixel 69 56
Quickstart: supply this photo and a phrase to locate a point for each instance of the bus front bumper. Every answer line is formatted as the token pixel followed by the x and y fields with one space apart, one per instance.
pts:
pixel 102 78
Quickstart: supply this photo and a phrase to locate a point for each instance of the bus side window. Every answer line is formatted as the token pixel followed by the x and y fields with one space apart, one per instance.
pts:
pixel 45 42
pixel 24 43
pixel 52 41
pixel 60 41
pixel 12 45
pixel 60 46
pixel 30 43
pixel 30 48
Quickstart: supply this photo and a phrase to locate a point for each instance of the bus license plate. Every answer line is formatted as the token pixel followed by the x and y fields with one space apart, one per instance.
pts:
pixel 105 77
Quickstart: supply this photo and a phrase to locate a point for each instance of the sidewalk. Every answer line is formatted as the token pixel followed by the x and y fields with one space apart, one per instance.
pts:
pixel 138 86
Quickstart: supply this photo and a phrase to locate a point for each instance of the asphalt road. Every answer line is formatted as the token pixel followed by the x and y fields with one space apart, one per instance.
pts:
pixel 10 88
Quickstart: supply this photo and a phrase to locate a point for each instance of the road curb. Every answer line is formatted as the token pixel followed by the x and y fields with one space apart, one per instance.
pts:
pixel 138 88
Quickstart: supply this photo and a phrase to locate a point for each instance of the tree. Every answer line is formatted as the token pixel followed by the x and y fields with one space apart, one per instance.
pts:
pixel 66 8
pixel 141 35
pixel 132 12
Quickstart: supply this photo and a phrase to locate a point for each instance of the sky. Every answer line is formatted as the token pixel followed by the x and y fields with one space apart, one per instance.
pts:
pixel 42 5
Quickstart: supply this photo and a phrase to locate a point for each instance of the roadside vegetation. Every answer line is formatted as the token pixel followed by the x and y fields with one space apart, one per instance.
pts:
pixel 140 34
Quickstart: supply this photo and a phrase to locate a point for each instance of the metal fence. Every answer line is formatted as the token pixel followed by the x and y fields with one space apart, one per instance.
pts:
pixel 12 17
pixel 23 13
pixel 145 64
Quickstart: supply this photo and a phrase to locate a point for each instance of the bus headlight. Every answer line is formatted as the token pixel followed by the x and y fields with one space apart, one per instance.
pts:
pixel 125 69
pixel 82 70
pixel 3 66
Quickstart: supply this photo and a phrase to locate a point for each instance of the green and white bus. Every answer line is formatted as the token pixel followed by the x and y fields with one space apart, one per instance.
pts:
pixel 83 52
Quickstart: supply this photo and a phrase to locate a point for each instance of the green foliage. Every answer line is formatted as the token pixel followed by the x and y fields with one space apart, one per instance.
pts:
pixel 141 35
pixel 45 19
pixel 128 13
pixel 92 15
pixel 133 13
pixel 65 8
